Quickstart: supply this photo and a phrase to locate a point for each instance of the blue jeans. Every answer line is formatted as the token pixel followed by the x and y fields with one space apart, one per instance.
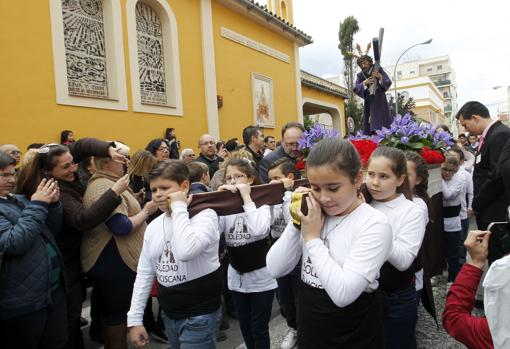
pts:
pixel 254 312
pixel 197 332
pixel 451 243
pixel 401 315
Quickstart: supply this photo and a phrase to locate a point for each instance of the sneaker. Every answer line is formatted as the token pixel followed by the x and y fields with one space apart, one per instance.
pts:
pixel 290 339
pixel 434 281
pixel 159 335
pixel 83 322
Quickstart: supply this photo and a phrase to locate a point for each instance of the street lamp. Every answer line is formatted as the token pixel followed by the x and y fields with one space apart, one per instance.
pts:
pixel 395 71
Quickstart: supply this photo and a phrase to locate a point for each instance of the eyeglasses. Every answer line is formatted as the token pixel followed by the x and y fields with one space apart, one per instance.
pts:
pixel 15 152
pixel 190 155
pixel 234 177
pixel 163 149
pixel 6 175
pixel 291 145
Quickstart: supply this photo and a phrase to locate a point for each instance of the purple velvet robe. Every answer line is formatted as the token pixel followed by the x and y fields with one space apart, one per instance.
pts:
pixel 376 113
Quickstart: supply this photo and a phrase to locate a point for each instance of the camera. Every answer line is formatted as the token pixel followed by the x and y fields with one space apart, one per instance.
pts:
pixel 499 244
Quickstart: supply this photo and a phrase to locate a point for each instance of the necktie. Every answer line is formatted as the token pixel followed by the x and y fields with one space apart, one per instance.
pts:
pixel 480 143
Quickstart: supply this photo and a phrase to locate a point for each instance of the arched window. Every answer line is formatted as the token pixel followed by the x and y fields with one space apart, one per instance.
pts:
pixel 151 56
pixel 85 48
pixel 88 53
pixel 154 57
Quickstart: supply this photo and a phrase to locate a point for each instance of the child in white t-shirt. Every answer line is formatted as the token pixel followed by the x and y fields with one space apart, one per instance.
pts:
pixel 247 240
pixel 182 254
pixel 343 243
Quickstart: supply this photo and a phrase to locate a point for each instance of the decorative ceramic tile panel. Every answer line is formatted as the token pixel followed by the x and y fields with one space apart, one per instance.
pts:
pixel 151 59
pixel 85 48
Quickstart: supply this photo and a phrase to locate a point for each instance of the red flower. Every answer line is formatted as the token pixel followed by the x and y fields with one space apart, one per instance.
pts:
pixel 365 148
pixel 300 164
pixel 431 156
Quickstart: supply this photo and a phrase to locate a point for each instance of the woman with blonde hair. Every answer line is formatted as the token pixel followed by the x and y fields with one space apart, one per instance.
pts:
pixel 140 165
pixel 110 251
pixel 219 176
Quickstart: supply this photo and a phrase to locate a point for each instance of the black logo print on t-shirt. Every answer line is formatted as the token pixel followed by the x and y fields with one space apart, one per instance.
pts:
pixel 239 231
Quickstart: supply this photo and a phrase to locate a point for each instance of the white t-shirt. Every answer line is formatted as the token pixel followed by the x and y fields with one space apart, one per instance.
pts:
pixel 344 262
pixel 452 191
pixel 241 229
pixel 280 216
pixel 408 226
pixel 419 274
pixel 175 249
pixel 466 195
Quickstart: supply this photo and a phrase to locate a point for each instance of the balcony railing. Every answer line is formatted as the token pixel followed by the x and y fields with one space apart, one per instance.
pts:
pixel 442 82
pixel 448 109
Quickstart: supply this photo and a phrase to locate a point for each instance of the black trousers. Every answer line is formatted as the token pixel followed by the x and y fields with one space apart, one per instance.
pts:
pixel 43 329
pixel 113 285
pixel 74 305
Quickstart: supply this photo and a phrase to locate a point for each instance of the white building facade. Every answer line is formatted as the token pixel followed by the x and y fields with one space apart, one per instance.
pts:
pixel 440 71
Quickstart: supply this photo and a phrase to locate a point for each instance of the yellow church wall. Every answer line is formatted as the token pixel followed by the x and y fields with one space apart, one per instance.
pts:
pixel 327 98
pixel 234 65
pixel 28 109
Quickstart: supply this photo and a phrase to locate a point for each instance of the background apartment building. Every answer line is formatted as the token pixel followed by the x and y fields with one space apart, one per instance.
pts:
pixel 415 73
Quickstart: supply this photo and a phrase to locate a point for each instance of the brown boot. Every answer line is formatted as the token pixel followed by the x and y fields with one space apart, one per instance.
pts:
pixel 115 337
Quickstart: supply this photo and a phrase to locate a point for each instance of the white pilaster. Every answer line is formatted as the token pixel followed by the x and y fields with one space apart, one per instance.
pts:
pixel 209 67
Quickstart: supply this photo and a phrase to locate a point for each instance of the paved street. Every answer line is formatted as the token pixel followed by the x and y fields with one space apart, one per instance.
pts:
pixel 427 333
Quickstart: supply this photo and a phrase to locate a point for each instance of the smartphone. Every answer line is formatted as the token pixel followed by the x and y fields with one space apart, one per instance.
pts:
pixel 499 243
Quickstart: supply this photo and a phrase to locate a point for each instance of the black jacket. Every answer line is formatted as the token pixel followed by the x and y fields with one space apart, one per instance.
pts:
pixel 504 169
pixel 257 157
pixel 270 159
pixel 213 165
pixel 77 218
pixel 490 200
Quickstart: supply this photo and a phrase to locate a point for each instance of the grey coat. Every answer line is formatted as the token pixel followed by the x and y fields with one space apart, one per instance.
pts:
pixel 25 270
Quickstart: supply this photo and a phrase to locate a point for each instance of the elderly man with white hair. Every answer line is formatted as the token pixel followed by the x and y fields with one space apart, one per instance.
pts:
pixel 187 155
pixel 13 151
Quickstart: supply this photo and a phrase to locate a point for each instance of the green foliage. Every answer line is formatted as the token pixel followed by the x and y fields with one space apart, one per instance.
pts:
pixel 403 108
pixel 348 28
pixel 307 122
pixel 355 111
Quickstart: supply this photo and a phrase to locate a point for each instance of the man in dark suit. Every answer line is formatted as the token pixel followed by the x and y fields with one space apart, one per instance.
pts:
pixel 490 201
pixel 504 168
pixel 291 134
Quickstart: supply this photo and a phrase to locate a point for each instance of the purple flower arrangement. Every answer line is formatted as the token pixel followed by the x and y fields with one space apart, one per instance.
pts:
pixel 313 135
pixel 406 134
